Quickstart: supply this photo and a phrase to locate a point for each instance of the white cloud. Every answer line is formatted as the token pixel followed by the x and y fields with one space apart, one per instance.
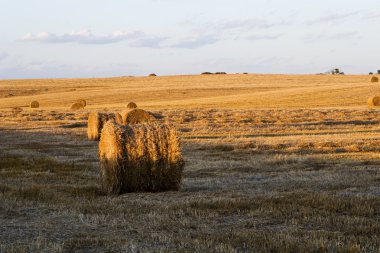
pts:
pixel 332 18
pixel 3 56
pixel 372 16
pixel 264 37
pixel 196 41
pixel 253 23
pixel 137 38
pixel 324 36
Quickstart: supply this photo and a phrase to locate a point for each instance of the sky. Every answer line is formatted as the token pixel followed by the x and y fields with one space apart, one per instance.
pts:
pixel 98 38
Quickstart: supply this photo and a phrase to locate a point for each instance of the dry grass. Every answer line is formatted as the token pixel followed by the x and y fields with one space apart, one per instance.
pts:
pixel 96 121
pixel 139 158
pixel 298 175
pixel 201 91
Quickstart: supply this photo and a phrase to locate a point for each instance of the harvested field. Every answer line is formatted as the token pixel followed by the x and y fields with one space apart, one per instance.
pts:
pixel 298 175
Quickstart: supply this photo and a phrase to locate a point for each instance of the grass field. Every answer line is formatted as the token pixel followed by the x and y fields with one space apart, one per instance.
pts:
pixel 274 163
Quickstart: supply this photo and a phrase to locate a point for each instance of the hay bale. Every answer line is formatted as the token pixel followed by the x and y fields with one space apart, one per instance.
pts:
pixel 136 116
pixel 374 101
pixel 76 107
pixel 96 121
pixel 82 102
pixel 118 118
pixel 124 115
pixel 131 105
pixel 374 79
pixel 34 104
pixel 139 158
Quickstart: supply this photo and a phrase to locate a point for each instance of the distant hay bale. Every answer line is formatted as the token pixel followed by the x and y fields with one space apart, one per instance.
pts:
pixel 374 79
pixel 82 102
pixel 139 158
pixel 131 105
pixel 374 101
pixel 96 121
pixel 136 116
pixel 34 104
pixel 76 107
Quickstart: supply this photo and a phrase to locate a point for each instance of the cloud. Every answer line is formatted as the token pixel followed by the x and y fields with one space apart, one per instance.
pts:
pixel 310 38
pixel 264 37
pixel 3 56
pixel 372 16
pixel 213 32
pixel 331 18
pixel 253 23
pixel 148 41
pixel 137 38
pixel 196 41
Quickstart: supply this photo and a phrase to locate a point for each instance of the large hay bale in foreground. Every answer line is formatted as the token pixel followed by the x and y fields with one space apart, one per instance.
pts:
pixel 76 107
pixel 34 104
pixel 136 116
pixel 131 105
pixel 138 158
pixel 82 102
pixel 374 79
pixel 96 121
pixel 374 101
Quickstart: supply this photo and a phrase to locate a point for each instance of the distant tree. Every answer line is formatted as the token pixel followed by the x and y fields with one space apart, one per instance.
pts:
pixel 378 72
pixel 335 71
pixel 370 73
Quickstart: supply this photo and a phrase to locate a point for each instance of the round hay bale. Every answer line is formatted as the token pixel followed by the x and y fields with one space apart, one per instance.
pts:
pixel 374 101
pixel 76 107
pixel 82 102
pixel 374 79
pixel 136 116
pixel 34 104
pixel 140 158
pixel 96 121
pixel 131 105
pixel 118 118
pixel 124 115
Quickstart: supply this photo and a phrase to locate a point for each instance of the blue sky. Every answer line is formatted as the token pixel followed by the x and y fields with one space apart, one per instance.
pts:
pixel 93 38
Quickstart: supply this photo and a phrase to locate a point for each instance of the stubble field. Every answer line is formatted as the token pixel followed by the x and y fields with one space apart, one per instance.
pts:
pixel 274 163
